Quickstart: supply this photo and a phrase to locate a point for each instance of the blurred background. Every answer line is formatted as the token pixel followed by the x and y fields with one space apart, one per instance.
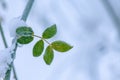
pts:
pixel 91 26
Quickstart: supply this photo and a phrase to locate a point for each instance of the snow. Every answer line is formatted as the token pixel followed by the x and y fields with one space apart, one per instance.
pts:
pixel 5 61
pixel 14 24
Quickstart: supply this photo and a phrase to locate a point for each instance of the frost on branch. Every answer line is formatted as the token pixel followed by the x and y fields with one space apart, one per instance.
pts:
pixel 5 61
pixel 14 24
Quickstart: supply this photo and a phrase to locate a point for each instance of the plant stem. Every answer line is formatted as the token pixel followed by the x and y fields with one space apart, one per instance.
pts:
pixel 6 46
pixel 3 36
pixel 24 18
pixel 42 39
pixel 37 36
pixel 14 71
pixel 27 10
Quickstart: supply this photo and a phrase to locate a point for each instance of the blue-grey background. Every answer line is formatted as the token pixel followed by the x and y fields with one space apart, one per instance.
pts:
pixel 91 26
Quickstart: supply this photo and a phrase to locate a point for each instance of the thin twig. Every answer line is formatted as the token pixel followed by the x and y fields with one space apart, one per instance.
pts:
pixel 6 46
pixel 3 36
pixel 37 36
pixel 27 10
pixel 42 39
pixel 24 18
pixel 14 72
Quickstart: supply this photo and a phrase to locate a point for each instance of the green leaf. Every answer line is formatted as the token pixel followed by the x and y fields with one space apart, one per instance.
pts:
pixel 24 34
pixel 38 48
pixel 24 31
pixel 49 55
pixel 49 32
pixel 25 39
pixel 61 46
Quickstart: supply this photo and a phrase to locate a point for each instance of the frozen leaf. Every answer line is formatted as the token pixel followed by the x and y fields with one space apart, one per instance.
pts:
pixel 24 31
pixel 49 32
pixel 24 35
pixel 38 48
pixel 61 46
pixel 49 55
pixel 25 39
